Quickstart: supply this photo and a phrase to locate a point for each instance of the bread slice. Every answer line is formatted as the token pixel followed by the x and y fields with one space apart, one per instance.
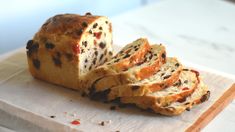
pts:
pixel 200 95
pixel 167 75
pixel 129 56
pixel 185 86
pixel 152 62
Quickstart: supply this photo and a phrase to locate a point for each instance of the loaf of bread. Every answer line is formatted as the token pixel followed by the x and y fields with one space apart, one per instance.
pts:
pixel 200 95
pixel 75 51
pixel 67 46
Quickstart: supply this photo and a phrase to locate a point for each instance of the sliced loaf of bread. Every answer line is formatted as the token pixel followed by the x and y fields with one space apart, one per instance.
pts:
pixel 151 64
pixel 199 95
pixel 187 83
pixel 129 56
pixel 166 76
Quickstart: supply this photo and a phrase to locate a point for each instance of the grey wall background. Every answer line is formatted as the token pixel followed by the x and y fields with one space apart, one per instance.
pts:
pixel 20 19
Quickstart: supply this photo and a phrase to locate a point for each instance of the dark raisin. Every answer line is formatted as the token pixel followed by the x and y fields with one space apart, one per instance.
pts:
pixel 84 43
pixel 136 49
pixel 180 82
pixel 32 47
pixel 105 60
pixel 88 14
pixel 90 31
pixel 205 97
pixel 96 53
pixel 83 94
pixel 188 108
pixel 117 60
pixel 135 87
pixel 102 45
pixel 56 61
pixel 69 56
pixel 155 54
pixel 79 32
pixel 150 57
pixel 52 116
pixel 95 25
pixel 102 123
pixel 185 69
pixel 84 24
pixel 36 63
pixel 100 28
pixel 182 100
pixel 163 55
pixel 187 103
pixel 110 53
pixel 90 67
pixel 127 55
pixel 85 66
pixel 82 51
pixel 167 76
pixel 94 61
pixel 101 57
pixel 172 70
pixel 29 44
pixel 177 64
pixel 106 22
pixel 113 108
pixel 86 60
pixel 186 81
pixel 162 74
pixel 49 45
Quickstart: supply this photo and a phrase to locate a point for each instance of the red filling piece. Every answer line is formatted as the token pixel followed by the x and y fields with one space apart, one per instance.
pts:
pixel 98 35
pixel 75 122
pixel 185 88
pixel 76 49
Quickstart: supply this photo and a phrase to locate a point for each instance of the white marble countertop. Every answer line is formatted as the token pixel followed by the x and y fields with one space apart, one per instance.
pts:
pixel 199 31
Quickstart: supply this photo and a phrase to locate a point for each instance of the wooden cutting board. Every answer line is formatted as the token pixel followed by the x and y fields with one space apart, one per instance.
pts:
pixel 52 108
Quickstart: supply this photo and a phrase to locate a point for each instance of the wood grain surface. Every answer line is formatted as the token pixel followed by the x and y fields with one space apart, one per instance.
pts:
pixel 214 110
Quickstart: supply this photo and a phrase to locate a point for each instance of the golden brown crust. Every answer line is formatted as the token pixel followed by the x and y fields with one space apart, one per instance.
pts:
pixel 65 31
pixel 67 24
pixel 135 58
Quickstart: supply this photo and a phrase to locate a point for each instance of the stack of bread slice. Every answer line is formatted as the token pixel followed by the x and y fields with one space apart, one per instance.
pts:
pixel 143 75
